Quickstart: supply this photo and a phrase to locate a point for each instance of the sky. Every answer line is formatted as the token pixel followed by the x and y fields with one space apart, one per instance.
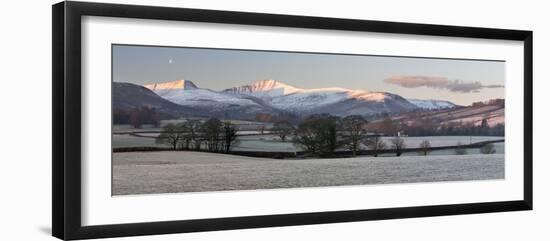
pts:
pixel 459 81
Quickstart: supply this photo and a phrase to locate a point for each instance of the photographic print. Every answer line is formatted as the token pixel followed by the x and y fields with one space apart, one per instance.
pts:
pixel 204 119
pixel 285 119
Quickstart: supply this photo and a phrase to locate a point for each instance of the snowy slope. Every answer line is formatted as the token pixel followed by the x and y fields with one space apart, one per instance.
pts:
pixel 271 96
pixel 204 97
pixel 334 100
pixel 127 96
pixel 176 84
pixel 264 89
pixel 432 104
pixel 494 114
pixel 186 93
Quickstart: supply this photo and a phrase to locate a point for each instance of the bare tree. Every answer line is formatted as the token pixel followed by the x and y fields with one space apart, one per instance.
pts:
pixel 398 144
pixel 318 134
pixel 172 134
pixel 424 148
pixel 282 129
pixel 376 144
pixel 135 118
pixel 197 142
pixel 354 132
pixel 230 135
pixel 144 115
pixel 192 128
pixel 212 130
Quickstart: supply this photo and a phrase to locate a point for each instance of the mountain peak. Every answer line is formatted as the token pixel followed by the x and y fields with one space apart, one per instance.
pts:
pixel 170 85
pixel 268 87
pixel 269 84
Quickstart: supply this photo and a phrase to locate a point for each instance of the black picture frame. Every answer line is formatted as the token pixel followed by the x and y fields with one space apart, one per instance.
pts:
pixel 66 158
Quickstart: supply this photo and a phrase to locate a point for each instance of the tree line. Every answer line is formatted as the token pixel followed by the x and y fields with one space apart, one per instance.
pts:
pixel 212 134
pixel 425 126
pixel 319 135
pixel 428 127
pixel 137 117
pixel 324 135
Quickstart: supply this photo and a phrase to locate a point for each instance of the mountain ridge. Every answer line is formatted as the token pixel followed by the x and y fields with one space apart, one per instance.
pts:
pixel 127 96
pixel 265 96
pixel 175 84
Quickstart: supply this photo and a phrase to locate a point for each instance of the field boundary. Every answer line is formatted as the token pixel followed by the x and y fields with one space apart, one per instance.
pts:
pixel 305 154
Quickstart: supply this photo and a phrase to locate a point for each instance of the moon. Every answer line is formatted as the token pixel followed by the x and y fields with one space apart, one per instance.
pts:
pixel 170 61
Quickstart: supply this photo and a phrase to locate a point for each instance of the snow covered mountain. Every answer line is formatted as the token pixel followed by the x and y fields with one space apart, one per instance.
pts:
pixel 432 104
pixel 334 100
pixel 127 96
pixel 186 93
pixel 176 84
pixel 273 97
pixel 264 89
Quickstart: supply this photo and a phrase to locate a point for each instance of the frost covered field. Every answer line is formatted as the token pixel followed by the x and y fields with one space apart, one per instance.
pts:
pixel 171 172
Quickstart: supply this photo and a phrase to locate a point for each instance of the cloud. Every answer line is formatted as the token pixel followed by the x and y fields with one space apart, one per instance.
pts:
pixel 437 82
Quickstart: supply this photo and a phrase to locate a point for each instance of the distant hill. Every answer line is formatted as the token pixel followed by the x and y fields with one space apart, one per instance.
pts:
pixel 432 104
pixel 127 96
pixel 492 111
pixel 182 99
